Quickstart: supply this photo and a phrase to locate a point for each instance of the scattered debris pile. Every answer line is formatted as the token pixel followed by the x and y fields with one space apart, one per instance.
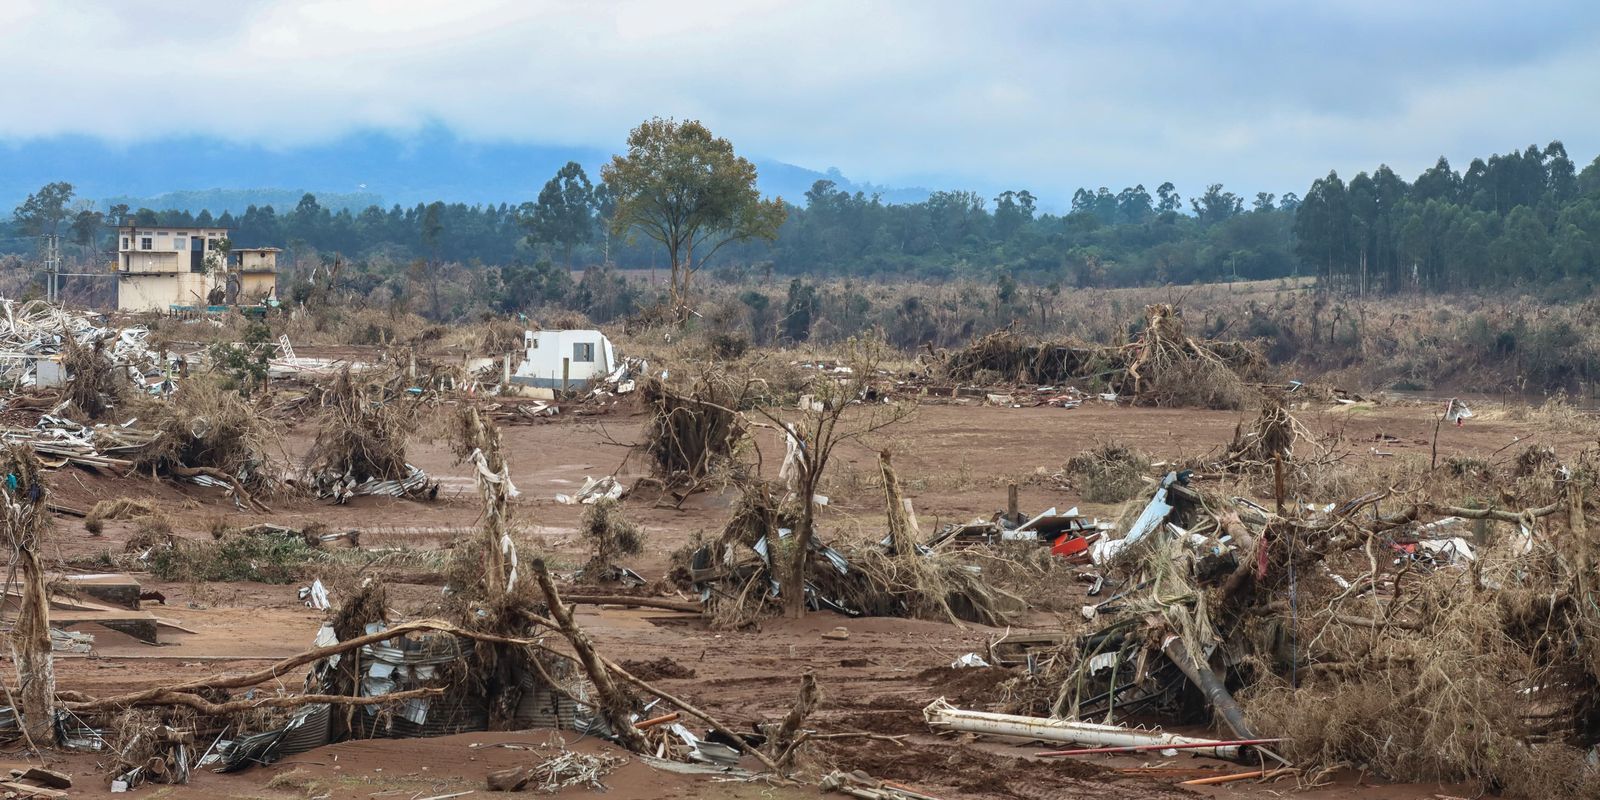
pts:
pixel 36 332
pixel 736 575
pixel 363 429
pixel 1353 634
pixel 1162 366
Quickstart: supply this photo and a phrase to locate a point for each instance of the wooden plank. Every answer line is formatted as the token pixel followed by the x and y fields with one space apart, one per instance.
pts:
pixel 24 790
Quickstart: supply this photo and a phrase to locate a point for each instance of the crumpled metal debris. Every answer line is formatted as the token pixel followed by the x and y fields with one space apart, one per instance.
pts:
pixel 35 330
pixel 593 491
pixel 342 488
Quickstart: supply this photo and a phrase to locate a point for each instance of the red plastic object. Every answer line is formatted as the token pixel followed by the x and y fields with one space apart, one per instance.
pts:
pixel 1068 545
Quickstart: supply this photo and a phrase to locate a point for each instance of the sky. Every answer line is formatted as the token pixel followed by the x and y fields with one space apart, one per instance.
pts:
pixel 1049 96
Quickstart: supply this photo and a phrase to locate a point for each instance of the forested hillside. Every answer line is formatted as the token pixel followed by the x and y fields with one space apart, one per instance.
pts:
pixel 1528 218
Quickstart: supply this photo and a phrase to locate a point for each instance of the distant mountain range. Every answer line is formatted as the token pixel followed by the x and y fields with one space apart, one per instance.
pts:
pixel 354 171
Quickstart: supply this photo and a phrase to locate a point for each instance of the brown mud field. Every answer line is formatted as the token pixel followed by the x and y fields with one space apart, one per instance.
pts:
pixel 954 461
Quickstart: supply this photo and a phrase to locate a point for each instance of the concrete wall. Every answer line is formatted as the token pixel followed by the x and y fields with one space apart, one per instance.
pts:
pixel 547 350
pixel 137 292
pixel 163 254
pixel 256 286
pixel 258 260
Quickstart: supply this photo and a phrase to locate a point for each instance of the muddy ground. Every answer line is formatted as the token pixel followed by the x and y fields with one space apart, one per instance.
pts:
pixel 955 461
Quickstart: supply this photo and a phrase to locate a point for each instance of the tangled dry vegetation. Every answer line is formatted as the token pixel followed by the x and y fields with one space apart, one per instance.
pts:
pixel 1418 629
pixel 691 436
pixel 1164 365
pixel 610 535
pixel 96 385
pixel 1110 473
pixel 739 567
pixel 363 428
pixel 203 429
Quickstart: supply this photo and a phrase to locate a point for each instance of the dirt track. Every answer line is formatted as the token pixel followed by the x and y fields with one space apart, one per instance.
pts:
pixel 954 460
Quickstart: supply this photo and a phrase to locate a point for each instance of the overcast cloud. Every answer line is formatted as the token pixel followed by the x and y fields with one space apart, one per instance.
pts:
pixel 1048 96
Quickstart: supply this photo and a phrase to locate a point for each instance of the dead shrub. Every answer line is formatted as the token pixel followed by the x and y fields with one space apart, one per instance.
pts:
pixel 609 535
pixel 362 431
pixel 120 508
pixel 151 532
pixel 1110 473
pixel 94 383
pixel 205 430
pixel 689 436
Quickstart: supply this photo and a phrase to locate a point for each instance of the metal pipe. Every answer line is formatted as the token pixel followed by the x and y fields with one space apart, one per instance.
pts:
pixel 1090 751
pixel 940 715
pixel 1202 676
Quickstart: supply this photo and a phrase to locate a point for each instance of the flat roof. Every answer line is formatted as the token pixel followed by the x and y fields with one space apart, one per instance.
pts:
pixel 207 228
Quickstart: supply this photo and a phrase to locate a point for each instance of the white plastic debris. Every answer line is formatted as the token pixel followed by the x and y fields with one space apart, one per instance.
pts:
pixel 968 661
pixel 596 489
pixel 315 596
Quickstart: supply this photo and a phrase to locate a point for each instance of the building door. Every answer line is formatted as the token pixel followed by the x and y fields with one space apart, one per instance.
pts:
pixel 197 254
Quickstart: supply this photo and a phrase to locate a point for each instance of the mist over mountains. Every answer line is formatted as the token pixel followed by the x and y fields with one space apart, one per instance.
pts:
pixel 353 171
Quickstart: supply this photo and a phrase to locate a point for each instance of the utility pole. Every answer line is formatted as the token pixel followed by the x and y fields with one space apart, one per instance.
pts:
pixel 52 267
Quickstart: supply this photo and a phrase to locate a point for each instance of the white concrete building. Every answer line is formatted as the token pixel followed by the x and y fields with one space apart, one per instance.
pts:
pixel 564 359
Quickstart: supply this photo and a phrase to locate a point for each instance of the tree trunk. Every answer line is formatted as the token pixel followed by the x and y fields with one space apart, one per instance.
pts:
pixel 36 672
pixel 902 538
pixel 615 705
pixel 794 581
pixel 672 280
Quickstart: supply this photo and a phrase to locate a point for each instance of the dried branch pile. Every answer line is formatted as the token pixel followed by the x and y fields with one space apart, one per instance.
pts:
pixel 690 436
pixel 363 429
pixel 736 575
pixel 1387 641
pixel 1162 366
pixel 203 432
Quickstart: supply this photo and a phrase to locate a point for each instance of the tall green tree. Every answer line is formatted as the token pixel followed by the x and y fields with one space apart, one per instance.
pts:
pixel 86 227
pixel 686 188
pixel 44 211
pixel 564 216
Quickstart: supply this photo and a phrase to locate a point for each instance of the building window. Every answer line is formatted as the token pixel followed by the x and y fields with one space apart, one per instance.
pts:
pixel 124 242
pixel 179 243
pixel 583 352
pixel 147 243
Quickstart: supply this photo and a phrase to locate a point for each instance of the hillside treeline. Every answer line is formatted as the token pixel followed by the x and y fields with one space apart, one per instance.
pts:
pixel 1527 218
